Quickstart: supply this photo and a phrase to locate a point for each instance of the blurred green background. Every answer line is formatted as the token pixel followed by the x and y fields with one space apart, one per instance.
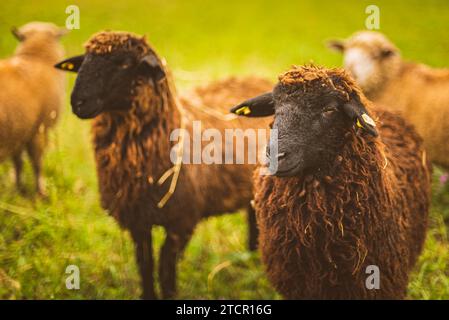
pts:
pixel 201 40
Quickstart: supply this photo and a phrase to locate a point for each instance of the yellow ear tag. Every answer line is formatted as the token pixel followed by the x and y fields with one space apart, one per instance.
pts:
pixel 368 120
pixel 68 66
pixel 243 110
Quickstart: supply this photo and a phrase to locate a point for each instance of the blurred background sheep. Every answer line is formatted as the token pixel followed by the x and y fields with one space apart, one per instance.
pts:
pixel 31 96
pixel 417 91
pixel 38 239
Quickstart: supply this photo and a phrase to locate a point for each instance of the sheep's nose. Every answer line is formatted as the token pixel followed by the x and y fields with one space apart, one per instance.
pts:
pixel 280 155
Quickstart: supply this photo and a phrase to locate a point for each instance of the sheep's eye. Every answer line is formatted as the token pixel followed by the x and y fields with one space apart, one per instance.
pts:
pixel 124 63
pixel 385 53
pixel 329 112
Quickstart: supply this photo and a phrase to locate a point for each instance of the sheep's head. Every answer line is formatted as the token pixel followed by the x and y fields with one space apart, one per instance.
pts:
pixel 108 73
pixel 370 58
pixel 315 109
pixel 40 30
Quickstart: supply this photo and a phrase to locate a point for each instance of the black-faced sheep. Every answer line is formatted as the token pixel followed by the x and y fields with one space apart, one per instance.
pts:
pixel 345 195
pixel 31 96
pixel 122 83
pixel 419 92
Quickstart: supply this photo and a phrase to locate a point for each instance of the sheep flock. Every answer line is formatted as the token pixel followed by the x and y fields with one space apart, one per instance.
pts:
pixel 353 148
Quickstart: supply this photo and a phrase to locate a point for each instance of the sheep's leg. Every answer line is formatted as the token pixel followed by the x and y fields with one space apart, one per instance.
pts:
pixel 171 251
pixel 18 166
pixel 253 230
pixel 35 151
pixel 144 254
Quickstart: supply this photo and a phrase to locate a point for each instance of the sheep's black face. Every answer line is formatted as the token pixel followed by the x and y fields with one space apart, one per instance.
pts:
pixel 106 82
pixel 312 125
pixel 311 130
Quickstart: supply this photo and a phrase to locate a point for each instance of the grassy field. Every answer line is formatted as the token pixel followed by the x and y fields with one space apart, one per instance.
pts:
pixel 201 40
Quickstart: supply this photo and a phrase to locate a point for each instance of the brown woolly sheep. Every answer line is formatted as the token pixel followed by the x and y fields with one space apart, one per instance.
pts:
pixel 122 83
pixel 419 92
pixel 341 199
pixel 31 96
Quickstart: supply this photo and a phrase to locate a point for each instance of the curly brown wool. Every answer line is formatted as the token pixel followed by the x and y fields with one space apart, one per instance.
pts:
pixel 132 151
pixel 318 233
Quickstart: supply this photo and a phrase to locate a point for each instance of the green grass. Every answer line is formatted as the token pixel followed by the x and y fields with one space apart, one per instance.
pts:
pixel 201 40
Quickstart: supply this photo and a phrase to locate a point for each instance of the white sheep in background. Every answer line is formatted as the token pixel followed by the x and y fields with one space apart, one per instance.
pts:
pixel 421 93
pixel 31 96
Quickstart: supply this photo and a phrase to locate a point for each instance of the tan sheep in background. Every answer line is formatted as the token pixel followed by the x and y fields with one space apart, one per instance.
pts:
pixel 421 93
pixel 31 96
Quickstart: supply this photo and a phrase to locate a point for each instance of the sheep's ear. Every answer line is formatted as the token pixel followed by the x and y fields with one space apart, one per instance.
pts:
pixel 260 106
pixel 151 67
pixel 358 113
pixel 72 64
pixel 336 45
pixel 17 34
